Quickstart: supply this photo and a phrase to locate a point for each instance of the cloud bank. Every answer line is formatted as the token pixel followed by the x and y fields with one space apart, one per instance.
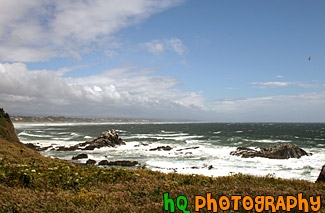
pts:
pixel 125 92
pixel 37 30
pixel 140 93
pixel 275 84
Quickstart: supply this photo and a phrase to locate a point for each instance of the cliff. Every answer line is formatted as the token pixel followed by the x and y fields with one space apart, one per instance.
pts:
pixel 7 130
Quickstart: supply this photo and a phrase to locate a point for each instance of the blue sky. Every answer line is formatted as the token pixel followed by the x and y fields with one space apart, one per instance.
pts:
pixel 211 60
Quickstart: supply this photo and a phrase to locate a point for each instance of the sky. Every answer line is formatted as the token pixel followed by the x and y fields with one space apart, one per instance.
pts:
pixel 212 60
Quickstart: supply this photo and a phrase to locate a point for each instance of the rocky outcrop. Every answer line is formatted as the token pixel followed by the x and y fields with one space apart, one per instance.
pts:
pixel 90 162
pixel 118 163
pixel 37 148
pixel 321 177
pixel 106 138
pixel 159 148
pixel 103 163
pixel 281 151
pixel 7 130
pixel 123 163
pixel 194 147
pixel 81 156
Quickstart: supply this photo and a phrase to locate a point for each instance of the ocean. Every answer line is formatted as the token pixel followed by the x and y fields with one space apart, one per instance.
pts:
pixel 198 148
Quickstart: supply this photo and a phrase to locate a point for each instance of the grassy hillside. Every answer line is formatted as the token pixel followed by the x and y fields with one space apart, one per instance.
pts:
pixel 7 131
pixel 30 182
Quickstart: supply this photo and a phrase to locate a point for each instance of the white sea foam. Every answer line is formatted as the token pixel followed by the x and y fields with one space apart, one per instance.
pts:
pixel 33 135
pixel 189 161
pixel 192 141
pixel 267 141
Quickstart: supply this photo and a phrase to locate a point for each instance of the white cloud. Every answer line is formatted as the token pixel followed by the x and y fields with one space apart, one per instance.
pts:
pixel 117 92
pixel 37 30
pixel 159 46
pixel 275 84
pixel 304 107
pixel 128 92
pixel 279 76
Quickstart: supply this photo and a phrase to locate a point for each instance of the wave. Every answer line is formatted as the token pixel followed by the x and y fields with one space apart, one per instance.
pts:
pixel 33 135
pixel 267 141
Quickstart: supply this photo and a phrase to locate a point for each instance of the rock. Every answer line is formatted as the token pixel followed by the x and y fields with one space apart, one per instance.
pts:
pixel 281 151
pixel 70 148
pixel 81 156
pixel 194 147
pixel 37 148
pixel 159 148
pixel 106 138
pixel 7 130
pixel 123 163
pixel 118 163
pixel 103 162
pixel 321 176
pixel 90 162
pixel 141 144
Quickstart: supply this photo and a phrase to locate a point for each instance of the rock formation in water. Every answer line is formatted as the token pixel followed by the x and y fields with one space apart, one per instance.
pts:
pixel 80 156
pixel 159 148
pixel 37 148
pixel 90 162
pixel 106 138
pixel 118 163
pixel 281 151
pixel 194 147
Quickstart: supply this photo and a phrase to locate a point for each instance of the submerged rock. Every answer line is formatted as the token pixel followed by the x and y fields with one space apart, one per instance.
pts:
pixel 106 138
pixel 81 156
pixel 321 176
pixel 194 147
pixel 281 151
pixel 141 144
pixel 159 148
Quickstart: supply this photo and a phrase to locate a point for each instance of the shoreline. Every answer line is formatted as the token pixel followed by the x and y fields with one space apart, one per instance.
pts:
pixel 30 182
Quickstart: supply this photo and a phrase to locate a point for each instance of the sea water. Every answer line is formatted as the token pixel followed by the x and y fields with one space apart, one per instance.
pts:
pixel 198 148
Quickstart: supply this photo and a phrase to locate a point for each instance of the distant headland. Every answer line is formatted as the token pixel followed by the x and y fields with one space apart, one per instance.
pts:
pixel 62 119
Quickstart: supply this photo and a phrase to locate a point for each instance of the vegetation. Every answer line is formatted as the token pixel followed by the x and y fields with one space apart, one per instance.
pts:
pixel 30 182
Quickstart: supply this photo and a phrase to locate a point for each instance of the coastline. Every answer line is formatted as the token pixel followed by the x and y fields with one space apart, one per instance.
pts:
pixel 213 148
pixel 31 182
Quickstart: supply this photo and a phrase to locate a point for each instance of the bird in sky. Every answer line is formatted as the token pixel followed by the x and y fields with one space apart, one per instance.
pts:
pixel 309 58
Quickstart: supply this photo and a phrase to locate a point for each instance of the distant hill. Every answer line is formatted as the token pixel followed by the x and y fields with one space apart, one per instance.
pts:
pixel 60 119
